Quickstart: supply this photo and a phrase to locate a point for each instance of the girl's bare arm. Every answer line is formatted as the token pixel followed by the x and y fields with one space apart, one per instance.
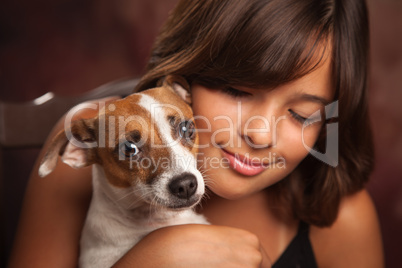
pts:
pixel 354 240
pixel 53 212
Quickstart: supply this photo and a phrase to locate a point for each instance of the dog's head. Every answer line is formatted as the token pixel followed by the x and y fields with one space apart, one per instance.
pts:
pixel 146 144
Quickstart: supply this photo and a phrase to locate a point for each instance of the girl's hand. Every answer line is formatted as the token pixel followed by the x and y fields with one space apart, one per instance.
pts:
pixel 197 246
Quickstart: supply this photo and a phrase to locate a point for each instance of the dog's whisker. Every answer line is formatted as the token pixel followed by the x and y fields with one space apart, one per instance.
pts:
pixel 206 196
pixel 135 192
pixel 208 181
pixel 153 207
pixel 141 199
pixel 127 195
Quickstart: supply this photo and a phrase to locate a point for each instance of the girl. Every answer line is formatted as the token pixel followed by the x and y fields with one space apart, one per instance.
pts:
pixel 261 74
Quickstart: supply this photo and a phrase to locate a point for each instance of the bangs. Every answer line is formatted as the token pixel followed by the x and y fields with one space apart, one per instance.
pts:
pixel 270 47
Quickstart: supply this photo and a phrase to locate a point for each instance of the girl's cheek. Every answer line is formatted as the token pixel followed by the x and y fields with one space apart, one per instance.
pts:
pixel 293 149
pixel 310 135
pixel 297 143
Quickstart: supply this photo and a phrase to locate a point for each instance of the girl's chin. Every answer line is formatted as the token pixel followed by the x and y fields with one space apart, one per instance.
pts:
pixel 232 186
pixel 231 192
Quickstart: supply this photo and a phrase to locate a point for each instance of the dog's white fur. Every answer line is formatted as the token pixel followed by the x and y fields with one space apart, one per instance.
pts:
pixel 119 217
pixel 110 231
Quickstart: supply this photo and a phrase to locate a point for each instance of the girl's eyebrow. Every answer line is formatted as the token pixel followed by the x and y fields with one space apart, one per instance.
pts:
pixel 312 98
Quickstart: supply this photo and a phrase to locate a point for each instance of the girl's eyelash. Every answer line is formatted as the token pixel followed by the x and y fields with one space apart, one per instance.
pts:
pixel 298 117
pixel 234 92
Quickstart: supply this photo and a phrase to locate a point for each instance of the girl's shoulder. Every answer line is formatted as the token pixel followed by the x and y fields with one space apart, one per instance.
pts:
pixel 354 239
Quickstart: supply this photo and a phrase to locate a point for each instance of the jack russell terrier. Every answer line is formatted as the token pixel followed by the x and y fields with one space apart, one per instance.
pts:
pixel 143 154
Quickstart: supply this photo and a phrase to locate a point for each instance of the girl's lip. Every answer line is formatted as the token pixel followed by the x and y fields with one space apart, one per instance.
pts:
pixel 244 165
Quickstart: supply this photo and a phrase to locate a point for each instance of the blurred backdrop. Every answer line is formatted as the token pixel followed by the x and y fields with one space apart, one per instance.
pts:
pixel 71 46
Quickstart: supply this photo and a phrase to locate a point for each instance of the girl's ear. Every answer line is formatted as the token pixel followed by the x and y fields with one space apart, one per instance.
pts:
pixel 179 85
pixel 76 151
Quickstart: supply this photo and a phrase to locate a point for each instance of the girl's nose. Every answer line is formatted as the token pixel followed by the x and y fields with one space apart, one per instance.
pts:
pixel 257 132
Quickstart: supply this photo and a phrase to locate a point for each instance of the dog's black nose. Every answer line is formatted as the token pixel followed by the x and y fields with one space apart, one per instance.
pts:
pixel 183 186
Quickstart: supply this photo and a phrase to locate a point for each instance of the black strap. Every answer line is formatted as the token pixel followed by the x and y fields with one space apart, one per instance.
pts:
pixel 299 253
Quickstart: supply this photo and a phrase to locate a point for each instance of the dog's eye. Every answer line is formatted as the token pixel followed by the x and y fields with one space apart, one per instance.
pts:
pixel 129 149
pixel 186 130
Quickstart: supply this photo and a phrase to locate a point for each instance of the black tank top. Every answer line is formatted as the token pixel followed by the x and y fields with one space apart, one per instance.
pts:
pixel 299 253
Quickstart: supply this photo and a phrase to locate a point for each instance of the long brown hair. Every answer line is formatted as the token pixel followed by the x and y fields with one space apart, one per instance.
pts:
pixel 265 43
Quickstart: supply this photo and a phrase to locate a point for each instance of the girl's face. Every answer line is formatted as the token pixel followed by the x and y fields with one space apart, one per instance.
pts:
pixel 251 138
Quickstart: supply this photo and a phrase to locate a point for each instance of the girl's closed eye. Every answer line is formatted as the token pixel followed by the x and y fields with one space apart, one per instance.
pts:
pixel 306 121
pixel 297 117
pixel 236 93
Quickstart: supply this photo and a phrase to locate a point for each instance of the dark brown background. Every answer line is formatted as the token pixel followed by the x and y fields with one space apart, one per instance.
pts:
pixel 72 46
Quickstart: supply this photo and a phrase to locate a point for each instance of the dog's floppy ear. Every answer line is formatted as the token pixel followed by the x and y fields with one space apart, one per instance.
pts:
pixel 179 85
pixel 73 145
